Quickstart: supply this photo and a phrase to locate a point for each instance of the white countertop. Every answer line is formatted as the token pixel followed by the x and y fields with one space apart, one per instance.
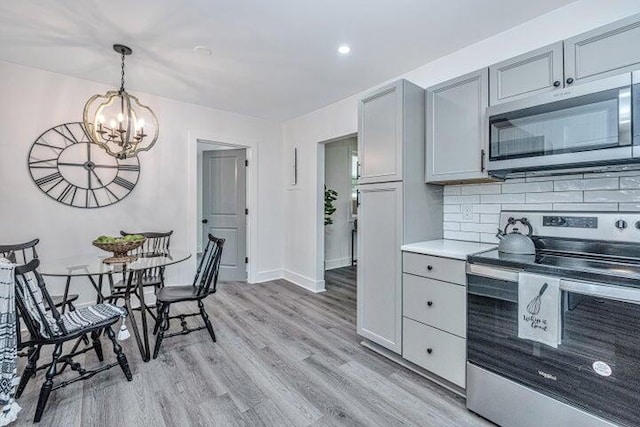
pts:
pixel 448 248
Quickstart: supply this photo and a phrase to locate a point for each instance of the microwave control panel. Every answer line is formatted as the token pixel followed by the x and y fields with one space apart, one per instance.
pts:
pixel 570 221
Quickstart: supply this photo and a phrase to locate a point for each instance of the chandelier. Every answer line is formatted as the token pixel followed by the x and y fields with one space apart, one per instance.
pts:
pixel 118 122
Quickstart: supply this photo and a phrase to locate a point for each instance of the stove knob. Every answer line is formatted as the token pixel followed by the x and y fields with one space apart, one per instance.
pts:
pixel 621 224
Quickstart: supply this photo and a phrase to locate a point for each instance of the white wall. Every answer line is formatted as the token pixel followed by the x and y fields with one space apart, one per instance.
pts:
pixel 339 119
pixel 34 100
pixel 337 176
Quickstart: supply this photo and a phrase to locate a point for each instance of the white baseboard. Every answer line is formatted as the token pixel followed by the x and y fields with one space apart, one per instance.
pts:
pixel 265 276
pixel 315 286
pixel 337 263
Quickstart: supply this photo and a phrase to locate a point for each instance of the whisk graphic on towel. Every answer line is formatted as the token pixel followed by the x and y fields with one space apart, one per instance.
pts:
pixel 534 306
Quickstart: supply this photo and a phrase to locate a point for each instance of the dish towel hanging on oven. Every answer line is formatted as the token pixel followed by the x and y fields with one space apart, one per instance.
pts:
pixel 9 379
pixel 539 309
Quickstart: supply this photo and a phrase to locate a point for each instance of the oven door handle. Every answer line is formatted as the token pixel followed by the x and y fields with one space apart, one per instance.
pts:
pixel 617 293
pixel 624 116
pixel 600 290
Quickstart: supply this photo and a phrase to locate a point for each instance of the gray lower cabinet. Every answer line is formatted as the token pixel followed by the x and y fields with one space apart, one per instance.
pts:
pixel 456 131
pixel 436 351
pixel 605 51
pixel 434 310
pixel 535 72
pixel 379 291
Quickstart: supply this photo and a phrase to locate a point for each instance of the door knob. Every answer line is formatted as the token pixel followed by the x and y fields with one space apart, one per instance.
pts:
pixel 429 267
pixel 429 303
pixel 570 80
pixel 429 350
pixel 204 221
pixel 557 83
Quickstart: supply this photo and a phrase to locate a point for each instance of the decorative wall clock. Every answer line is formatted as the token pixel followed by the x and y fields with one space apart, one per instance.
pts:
pixel 68 167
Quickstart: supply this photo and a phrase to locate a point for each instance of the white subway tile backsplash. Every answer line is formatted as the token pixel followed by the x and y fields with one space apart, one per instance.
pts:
pixel 554 178
pixel 487 208
pixel 480 189
pixel 612 196
pixel 528 187
pixel 629 207
pixel 577 192
pixel 456 217
pixel 480 228
pixel 452 190
pixel 488 238
pixel 502 198
pixel 458 200
pixel 462 235
pixel 586 184
pixel 630 182
pixel 490 218
pixel 453 226
pixel 585 207
pixel 527 206
pixel 564 196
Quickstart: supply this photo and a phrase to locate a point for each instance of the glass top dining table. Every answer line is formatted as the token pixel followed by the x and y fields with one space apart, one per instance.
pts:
pixel 92 267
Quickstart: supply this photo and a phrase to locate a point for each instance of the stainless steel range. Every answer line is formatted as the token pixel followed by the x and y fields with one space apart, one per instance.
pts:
pixel 553 338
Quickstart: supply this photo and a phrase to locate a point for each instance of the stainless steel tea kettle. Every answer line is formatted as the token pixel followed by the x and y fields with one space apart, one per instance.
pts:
pixel 515 242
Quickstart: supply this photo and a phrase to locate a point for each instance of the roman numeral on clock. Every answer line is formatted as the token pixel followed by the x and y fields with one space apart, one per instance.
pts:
pixel 124 183
pixel 132 168
pixel 56 176
pixel 69 192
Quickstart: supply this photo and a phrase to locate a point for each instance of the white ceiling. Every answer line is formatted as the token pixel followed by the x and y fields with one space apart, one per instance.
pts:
pixel 271 58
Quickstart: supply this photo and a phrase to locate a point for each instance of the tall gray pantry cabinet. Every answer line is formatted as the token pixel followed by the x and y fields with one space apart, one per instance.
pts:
pixel 396 206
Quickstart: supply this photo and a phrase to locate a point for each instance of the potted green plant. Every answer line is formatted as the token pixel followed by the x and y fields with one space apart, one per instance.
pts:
pixel 330 196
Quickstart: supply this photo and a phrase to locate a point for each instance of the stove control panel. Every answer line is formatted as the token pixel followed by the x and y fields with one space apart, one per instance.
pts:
pixel 570 221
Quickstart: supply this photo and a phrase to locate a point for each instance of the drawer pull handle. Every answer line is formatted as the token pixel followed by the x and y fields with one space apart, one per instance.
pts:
pixel 429 303
pixel 429 350
pixel 429 267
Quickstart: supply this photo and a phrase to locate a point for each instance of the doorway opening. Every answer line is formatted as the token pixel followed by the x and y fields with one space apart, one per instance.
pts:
pixel 339 172
pixel 222 205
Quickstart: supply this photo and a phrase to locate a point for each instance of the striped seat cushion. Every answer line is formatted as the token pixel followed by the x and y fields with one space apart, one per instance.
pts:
pixel 89 316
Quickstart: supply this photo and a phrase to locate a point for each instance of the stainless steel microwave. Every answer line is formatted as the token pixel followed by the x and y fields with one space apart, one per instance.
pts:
pixel 582 126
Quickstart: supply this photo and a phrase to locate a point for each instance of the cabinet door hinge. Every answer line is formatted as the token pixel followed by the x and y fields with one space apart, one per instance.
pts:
pixel 246 211
pixel 246 162
pixel 246 260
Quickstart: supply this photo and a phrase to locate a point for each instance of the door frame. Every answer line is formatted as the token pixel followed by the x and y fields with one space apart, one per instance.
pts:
pixel 320 204
pixel 251 148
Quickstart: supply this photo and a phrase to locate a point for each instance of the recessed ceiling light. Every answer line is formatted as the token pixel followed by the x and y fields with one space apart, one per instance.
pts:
pixel 344 49
pixel 202 50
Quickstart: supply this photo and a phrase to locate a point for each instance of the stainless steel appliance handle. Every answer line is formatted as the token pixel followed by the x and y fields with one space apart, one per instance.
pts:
pixel 617 293
pixel 620 81
pixel 624 116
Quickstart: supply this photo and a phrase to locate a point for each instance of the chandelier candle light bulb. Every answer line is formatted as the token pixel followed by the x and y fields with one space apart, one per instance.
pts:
pixel 125 135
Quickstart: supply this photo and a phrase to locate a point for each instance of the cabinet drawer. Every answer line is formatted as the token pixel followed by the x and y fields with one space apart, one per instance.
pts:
pixel 439 304
pixel 434 350
pixel 433 267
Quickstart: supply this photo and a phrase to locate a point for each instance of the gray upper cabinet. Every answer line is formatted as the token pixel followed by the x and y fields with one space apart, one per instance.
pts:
pixel 380 135
pixel 456 129
pixel 605 51
pixel 390 132
pixel 534 72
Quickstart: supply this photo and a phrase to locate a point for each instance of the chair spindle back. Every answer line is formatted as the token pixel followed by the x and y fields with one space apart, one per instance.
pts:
pixel 206 279
pixel 20 253
pixel 35 304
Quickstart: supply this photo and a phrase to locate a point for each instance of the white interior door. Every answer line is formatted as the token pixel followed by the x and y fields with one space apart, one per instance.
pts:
pixel 224 208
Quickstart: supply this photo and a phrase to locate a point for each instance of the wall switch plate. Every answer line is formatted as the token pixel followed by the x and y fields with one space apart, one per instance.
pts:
pixel 467 212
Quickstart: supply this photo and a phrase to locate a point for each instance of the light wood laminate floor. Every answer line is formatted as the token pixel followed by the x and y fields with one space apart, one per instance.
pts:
pixel 284 357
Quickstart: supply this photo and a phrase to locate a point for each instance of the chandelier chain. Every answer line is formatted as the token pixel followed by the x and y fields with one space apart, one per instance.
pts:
pixel 122 75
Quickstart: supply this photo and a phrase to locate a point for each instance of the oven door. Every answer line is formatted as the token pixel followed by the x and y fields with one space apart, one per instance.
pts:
pixel 585 125
pixel 597 365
